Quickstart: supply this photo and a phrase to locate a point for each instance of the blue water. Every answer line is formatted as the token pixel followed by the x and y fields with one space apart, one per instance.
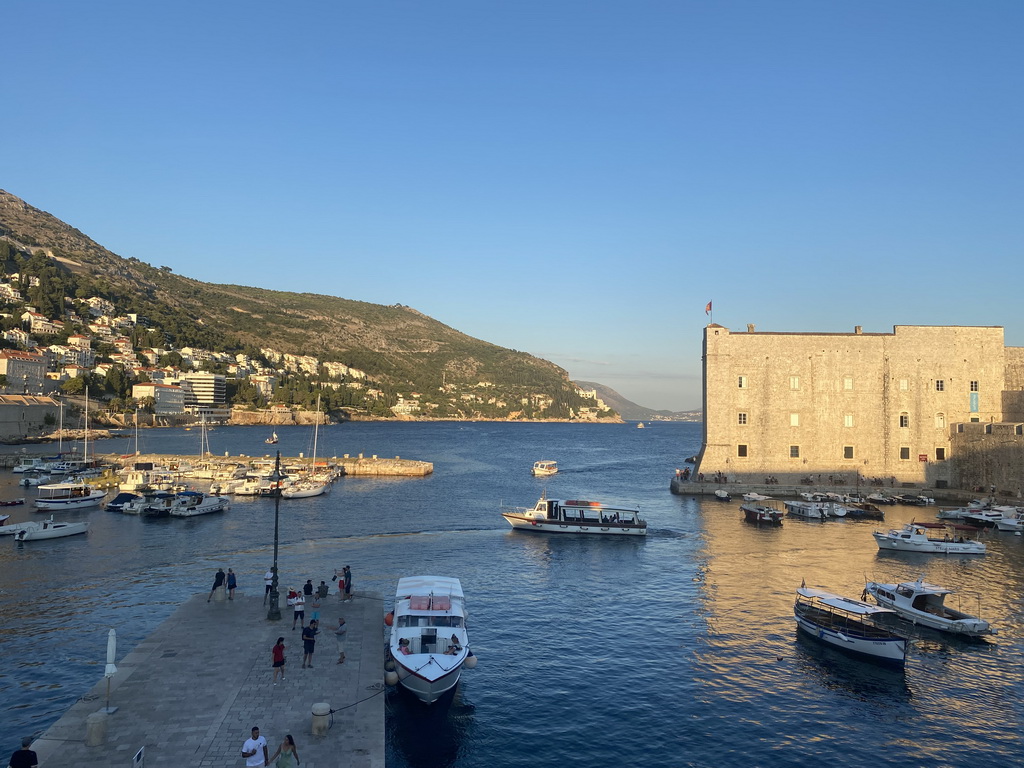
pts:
pixel 675 650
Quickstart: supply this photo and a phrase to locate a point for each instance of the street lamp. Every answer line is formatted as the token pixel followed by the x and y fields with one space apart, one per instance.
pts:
pixel 274 613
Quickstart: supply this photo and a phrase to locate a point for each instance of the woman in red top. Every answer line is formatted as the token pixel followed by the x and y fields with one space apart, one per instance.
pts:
pixel 279 659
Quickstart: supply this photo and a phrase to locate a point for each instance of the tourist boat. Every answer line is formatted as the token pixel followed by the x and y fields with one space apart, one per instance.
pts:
pixel 428 640
pixel 914 538
pixel 815 510
pixel 49 529
pixel 850 625
pixel 544 468
pixel 272 440
pixel 759 512
pixel 924 604
pixel 722 495
pixel 575 516
pixel 75 494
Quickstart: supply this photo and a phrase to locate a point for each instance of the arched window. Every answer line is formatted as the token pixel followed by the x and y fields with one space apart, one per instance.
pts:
pixel 940 421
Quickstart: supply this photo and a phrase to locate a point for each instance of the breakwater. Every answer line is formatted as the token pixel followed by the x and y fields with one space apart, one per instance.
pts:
pixel 355 466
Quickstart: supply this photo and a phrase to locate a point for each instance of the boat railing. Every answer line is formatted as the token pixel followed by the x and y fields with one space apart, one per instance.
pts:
pixel 838 620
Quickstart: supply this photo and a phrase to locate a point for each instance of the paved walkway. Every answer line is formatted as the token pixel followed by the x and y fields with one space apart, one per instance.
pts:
pixel 193 689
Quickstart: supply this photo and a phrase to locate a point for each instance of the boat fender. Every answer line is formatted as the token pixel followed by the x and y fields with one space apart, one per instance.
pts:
pixel 389 665
pixel 391 677
pixel 470 661
pixel 389 619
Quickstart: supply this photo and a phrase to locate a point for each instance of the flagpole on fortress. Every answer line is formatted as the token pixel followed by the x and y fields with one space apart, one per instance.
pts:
pixel 707 311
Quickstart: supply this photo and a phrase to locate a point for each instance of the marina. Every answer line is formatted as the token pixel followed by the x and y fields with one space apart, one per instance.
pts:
pixel 732 649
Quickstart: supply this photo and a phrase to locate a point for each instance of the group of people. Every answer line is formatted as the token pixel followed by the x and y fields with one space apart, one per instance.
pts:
pixel 257 755
pixel 219 580
pixel 309 633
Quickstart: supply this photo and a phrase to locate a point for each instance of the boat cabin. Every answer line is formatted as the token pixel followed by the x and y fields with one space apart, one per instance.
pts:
pixel 583 512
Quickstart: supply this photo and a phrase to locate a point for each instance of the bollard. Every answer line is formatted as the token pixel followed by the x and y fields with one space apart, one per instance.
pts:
pixel 321 718
pixel 220 594
pixel 96 729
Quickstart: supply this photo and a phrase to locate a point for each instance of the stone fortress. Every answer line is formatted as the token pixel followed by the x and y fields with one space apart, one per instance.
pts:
pixel 941 406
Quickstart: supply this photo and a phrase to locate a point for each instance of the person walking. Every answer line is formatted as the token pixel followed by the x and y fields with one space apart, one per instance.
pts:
pixel 254 750
pixel 268 582
pixel 232 584
pixel 309 644
pixel 24 757
pixel 218 581
pixel 289 754
pixel 299 606
pixel 277 654
pixel 347 575
pixel 339 636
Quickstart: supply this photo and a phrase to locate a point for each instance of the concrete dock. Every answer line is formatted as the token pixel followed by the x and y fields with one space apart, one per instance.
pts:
pixel 192 690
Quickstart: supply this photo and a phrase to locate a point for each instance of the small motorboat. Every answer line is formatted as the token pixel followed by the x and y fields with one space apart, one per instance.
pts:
pixel 428 643
pixel 544 468
pixel 914 538
pixel 858 510
pixel 924 604
pixel 722 495
pixel 49 529
pixel 759 512
pixel 12 502
pixel 815 510
pixel 1011 523
pixel 752 496
pixel 852 626
pixel 576 516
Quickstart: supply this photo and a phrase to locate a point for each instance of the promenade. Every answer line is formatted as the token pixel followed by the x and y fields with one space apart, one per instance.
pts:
pixel 192 690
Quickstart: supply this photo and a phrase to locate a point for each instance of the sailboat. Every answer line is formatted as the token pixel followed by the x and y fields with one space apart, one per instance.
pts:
pixel 76 493
pixel 311 485
pixel 272 440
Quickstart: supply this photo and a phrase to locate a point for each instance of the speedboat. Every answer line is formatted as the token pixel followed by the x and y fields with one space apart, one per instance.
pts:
pixel 576 516
pixel 185 504
pixel 428 641
pixel 752 496
pixel 117 503
pixel 924 604
pixel 49 529
pixel 544 468
pixel 850 625
pixel 759 512
pixel 989 517
pixel 1011 523
pixel 815 510
pixel 12 502
pixel 914 538
pixel 722 495
pixel 75 494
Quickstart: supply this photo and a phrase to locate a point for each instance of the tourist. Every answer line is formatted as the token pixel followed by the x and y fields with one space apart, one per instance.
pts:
pixel 347 575
pixel 339 636
pixel 232 584
pixel 277 653
pixel 289 754
pixel 308 644
pixel 298 603
pixel 254 750
pixel 323 590
pixel 268 582
pixel 218 581
pixel 403 646
pixel 24 757
pixel 314 613
pixel 307 588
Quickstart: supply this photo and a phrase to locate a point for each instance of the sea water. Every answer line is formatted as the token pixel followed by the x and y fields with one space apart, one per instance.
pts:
pixel 676 649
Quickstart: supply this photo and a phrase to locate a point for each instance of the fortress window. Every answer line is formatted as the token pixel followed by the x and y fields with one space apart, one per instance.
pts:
pixel 940 421
pixel 848 382
pixel 940 454
pixel 794 419
pixel 741 418
pixel 904 420
pixel 904 453
pixel 940 385
pixel 848 420
pixel 847 451
pixel 741 451
pixel 794 382
pixel 743 382
pixel 974 386
pixel 794 451
pixel 904 385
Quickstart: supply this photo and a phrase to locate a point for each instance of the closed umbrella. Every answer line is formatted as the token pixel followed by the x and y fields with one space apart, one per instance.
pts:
pixel 111 670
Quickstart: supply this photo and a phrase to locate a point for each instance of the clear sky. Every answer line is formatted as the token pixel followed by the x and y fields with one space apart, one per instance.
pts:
pixel 571 179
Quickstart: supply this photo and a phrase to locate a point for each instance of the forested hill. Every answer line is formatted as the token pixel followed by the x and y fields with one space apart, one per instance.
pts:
pixel 402 351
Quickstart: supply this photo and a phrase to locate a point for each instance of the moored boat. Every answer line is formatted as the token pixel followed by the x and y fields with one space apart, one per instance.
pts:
pixel 428 642
pixel 71 495
pixel 815 510
pixel 852 626
pixel 924 604
pixel 544 468
pixel 576 516
pixel 722 495
pixel 1011 523
pixel 857 510
pixel 760 512
pixel 914 538
pixel 49 529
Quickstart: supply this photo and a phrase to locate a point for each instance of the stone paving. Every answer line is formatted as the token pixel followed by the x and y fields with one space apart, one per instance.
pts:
pixel 191 692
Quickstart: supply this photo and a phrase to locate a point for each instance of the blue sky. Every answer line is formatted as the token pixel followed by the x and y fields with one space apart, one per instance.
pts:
pixel 571 179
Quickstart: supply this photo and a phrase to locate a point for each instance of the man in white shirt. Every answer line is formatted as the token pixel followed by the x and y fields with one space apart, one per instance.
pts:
pixel 299 604
pixel 255 750
pixel 268 581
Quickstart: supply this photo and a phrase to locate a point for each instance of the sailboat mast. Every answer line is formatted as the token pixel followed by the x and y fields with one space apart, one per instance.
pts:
pixel 86 426
pixel 316 433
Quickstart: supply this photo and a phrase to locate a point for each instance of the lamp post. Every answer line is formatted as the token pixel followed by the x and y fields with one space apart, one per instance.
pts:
pixel 274 613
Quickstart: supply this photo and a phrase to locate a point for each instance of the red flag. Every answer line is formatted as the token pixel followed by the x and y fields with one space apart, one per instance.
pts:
pixel 707 309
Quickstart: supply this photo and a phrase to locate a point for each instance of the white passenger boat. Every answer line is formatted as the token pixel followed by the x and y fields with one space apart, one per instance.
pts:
pixel 850 625
pixel 428 640
pixel 576 516
pixel 49 529
pixel 915 538
pixel 544 468
pixel 75 494
pixel 815 510
pixel 924 604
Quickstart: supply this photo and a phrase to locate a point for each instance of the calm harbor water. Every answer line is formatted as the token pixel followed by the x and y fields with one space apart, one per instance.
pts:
pixel 675 650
